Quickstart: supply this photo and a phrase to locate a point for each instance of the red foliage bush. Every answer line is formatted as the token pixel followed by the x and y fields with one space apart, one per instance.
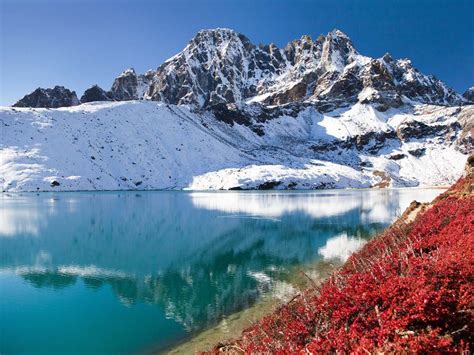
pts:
pixel 408 289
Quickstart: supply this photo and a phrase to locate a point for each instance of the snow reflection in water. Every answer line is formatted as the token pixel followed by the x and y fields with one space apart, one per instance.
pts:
pixel 156 266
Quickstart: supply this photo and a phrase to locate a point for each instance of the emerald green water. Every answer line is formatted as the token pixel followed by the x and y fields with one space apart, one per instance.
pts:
pixel 128 272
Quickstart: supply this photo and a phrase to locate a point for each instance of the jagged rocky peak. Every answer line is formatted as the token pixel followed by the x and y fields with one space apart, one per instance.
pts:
pixel 218 37
pixel 222 66
pixel 125 86
pixel 387 58
pixel 469 94
pixel 130 86
pixel 95 93
pixel 422 88
pixel 55 97
pixel 337 51
pixel 215 67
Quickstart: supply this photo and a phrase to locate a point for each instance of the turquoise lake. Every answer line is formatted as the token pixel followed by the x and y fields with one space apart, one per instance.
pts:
pixel 134 272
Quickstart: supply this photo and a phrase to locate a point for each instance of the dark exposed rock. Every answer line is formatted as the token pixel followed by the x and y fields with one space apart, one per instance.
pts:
pixel 366 164
pixel 325 147
pixel 469 168
pixel 130 86
pixel 258 129
pixel 372 142
pixel 469 94
pixel 415 129
pixel 58 96
pixel 344 89
pixel 125 86
pixel 227 67
pixel 95 93
pixel 397 156
pixel 422 88
pixel 268 185
pixel 292 185
pixel 323 185
pixel 296 93
pixel 384 179
pixel 466 120
pixel 230 115
pixel 387 58
pixel 378 80
pixel 253 115
pixel 417 152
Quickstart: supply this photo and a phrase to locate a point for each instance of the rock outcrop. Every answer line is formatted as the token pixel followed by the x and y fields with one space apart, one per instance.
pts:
pixel 466 138
pixel 469 94
pixel 56 97
pixel 95 93
pixel 130 86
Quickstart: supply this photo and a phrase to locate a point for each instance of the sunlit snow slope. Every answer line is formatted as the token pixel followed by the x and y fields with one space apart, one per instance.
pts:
pixel 151 145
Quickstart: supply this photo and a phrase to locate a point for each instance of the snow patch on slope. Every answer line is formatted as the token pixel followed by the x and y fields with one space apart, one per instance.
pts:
pixel 316 175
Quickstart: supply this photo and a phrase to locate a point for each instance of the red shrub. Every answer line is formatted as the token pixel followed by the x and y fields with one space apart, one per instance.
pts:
pixel 408 289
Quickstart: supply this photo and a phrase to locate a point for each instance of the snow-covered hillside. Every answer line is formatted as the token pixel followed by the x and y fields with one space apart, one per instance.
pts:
pixel 151 145
pixel 227 114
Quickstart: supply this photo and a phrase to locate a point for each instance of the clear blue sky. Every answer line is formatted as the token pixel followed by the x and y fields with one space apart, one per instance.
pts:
pixel 77 43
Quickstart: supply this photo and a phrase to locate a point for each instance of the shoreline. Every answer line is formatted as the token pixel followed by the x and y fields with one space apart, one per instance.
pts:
pixel 301 277
pixel 440 187
pixel 231 326
pixel 359 308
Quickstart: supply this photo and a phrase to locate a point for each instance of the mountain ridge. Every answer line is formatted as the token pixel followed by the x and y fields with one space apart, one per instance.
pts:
pixel 226 114
pixel 222 66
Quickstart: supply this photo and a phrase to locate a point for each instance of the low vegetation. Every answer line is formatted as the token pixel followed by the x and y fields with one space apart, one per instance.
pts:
pixel 410 289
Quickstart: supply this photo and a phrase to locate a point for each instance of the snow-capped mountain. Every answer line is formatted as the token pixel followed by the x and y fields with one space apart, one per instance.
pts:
pixel 222 66
pixel 224 114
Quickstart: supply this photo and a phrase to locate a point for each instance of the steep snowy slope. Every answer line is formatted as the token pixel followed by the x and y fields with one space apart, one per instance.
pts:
pixel 150 145
pixel 227 114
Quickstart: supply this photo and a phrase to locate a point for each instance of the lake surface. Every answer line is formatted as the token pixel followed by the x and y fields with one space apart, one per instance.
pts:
pixel 129 272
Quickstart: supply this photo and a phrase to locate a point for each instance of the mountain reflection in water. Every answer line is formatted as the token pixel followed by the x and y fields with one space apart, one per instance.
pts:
pixel 194 256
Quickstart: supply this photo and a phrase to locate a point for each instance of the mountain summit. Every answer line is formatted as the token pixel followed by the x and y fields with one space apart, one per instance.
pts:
pixel 221 67
pixel 225 113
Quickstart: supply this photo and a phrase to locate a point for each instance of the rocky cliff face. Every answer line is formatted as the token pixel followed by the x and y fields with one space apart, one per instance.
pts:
pixel 223 67
pixel 95 93
pixel 58 96
pixel 469 94
pixel 130 86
